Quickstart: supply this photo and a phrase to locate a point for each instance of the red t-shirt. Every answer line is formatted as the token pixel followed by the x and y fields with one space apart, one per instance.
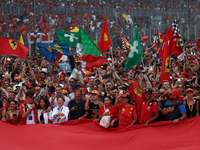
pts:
pixel 147 112
pixel 181 98
pixel 113 111
pixel 126 115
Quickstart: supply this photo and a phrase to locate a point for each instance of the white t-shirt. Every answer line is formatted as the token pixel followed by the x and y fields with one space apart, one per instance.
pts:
pixel 30 119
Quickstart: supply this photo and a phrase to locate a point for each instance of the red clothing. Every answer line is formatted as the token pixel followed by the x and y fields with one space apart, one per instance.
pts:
pixel 23 109
pixel 16 121
pixel 126 115
pixel 147 111
pixel 181 98
pixel 113 111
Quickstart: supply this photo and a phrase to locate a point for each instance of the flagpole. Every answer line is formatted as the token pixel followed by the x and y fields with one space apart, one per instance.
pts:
pixel 7 32
pixel 35 36
pixel 96 22
pixel 142 62
pixel 29 35
pixel 48 21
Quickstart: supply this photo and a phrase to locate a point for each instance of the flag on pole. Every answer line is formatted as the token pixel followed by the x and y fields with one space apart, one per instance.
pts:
pixel 12 47
pixel 135 53
pixel 73 29
pixel 23 31
pixel 69 38
pixel 105 41
pixel 88 52
pixel 21 39
pixel 122 40
pixel 127 44
pixel 43 25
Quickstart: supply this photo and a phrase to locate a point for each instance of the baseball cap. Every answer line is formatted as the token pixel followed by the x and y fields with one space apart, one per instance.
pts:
pixel 175 92
pixel 64 91
pixel 126 96
pixel 148 90
pixel 84 90
pixel 75 86
pixel 95 92
pixel 189 90
pixel 196 87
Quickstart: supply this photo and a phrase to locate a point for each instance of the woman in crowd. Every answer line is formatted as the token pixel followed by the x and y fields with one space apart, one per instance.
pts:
pixel 93 105
pixel 60 113
pixel 192 105
pixel 44 117
pixel 127 111
pixel 109 110
pixel 12 115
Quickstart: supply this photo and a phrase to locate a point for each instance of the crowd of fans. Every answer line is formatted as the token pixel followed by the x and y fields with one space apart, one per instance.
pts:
pixel 38 91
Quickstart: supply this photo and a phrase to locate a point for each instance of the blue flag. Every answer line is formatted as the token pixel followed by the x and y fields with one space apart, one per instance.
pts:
pixel 49 50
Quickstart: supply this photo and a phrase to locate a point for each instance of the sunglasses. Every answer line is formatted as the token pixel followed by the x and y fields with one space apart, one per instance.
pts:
pixel 36 89
pixel 32 97
pixel 71 81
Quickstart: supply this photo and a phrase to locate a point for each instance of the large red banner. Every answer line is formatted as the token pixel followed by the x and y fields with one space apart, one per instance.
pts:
pixel 86 134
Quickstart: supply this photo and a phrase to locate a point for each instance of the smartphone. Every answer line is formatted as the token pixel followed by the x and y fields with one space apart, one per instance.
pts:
pixel 23 84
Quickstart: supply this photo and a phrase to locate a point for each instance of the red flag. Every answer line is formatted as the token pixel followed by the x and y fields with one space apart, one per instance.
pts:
pixel 198 44
pixel 12 47
pixel 89 61
pixel 105 41
pixel 145 38
pixel 165 56
pixel 23 31
pixel 43 26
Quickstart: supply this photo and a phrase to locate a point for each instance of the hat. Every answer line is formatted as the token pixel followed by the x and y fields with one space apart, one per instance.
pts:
pixel 175 92
pixel 84 90
pixel 16 87
pixel 126 96
pixel 85 79
pixel 125 79
pixel 78 61
pixel 148 90
pixel 189 90
pixel 75 86
pixel 188 86
pixel 18 78
pixel 66 88
pixel 185 74
pixel 87 73
pixel 95 92
pixel 64 91
pixel 196 87
pixel 181 84
pixel 44 70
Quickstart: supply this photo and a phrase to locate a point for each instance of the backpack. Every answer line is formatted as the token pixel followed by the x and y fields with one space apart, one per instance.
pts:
pixel 175 114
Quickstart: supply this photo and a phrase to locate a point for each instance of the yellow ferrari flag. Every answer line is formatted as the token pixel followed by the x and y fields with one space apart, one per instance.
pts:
pixel 21 39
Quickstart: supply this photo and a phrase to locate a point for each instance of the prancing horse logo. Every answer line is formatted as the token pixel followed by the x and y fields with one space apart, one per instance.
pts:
pixel 13 44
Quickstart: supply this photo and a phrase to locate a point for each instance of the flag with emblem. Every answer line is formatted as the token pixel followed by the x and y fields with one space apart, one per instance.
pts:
pixel 88 52
pixel 43 25
pixel 105 41
pixel 12 47
pixel 21 39
pixel 127 44
pixel 49 50
pixel 135 53
pixel 69 38
pixel 23 31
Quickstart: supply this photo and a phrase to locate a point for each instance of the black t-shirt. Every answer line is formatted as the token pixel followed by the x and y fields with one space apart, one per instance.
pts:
pixel 93 111
pixel 79 112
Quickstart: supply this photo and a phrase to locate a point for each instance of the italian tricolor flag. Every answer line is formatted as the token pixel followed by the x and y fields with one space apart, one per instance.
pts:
pixel 88 52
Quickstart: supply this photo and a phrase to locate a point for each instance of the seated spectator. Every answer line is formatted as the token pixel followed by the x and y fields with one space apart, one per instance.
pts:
pixel 77 106
pixel 12 115
pixel 174 110
pixel 28 109
pixel 44 117
pixel 93 105
pixel 60 113
pixel 112 111
pixel 127 111
pixel 192 105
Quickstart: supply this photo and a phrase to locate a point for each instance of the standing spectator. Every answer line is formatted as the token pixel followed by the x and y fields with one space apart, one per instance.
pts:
pixel 127 111
pixel 12 115
pixel 77 106
pixel 28 109
pixel 174 110
pixel 192 105
pixel 60 113
pixel 44 117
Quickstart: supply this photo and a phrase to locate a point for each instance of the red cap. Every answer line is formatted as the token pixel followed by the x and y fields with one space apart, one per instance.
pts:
pixel 188 90
pixel 181 84
pixel 66 88
pixel 175 92
pixel 40 85
pixel 84 90
pixel 185 74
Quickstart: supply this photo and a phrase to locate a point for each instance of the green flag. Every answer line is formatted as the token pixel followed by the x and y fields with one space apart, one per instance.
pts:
pixel 110 31
pixel 135 53
pixel 69 38
pixel 86 46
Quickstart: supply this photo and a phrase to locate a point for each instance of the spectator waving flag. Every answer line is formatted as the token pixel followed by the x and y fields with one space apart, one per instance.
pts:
pixel 122 40
pixel 88 52
pixel 49 50
pixel 105 41
pixel 69 38
pixel 135 53
pixel 43 25
pixel 12 47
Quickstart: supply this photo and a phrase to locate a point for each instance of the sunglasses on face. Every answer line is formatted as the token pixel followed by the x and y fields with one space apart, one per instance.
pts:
pixel 36 89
